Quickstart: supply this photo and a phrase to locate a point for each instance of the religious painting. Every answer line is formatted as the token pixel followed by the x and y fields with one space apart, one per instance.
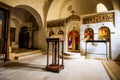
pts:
pixel 106 17
pixel 96 19
pixel 110 17
pixel 51 33
pixel 73 40
pixel 103 17
pixel 104 33
pixel 61 35
pixel 1 23
pixel 60 32
pixel 88 34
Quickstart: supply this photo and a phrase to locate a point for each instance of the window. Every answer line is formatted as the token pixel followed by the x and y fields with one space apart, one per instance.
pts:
pixel 101 7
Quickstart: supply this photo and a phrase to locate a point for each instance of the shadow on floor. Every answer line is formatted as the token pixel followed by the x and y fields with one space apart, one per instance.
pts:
pixel 26 66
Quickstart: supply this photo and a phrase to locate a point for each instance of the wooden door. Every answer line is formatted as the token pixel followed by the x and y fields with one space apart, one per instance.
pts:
pixel 24 38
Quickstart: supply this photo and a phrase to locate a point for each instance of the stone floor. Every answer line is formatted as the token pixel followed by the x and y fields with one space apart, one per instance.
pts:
pixel 34 69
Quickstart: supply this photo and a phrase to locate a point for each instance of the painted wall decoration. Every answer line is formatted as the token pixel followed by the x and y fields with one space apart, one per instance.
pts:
pixel 60 32
pixel 88 34
pixel 73 40
pixel 55 23
pixel 106 17
pixel 104 33
pixel 73 18
pixel 51 33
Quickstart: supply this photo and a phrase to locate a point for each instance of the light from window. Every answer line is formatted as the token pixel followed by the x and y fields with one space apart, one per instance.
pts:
pixel 101 7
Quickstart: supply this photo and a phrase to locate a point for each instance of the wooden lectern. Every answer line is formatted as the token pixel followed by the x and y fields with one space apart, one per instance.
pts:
pixel 54 63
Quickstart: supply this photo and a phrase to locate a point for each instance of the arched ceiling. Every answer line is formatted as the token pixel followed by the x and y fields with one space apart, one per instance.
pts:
pixel 20 15
pixel 63 8
pixel 32 6
pixel 29 11
pixel 55 9
pixel 14 22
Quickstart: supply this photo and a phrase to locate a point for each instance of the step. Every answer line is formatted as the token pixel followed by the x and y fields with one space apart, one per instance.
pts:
pixel 28 54
pixel 71 53
pixel 72 56
pixel 113 69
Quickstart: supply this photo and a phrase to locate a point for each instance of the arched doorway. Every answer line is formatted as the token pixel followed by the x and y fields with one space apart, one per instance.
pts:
pixel 24 38
pixel 28 28
pixel 24 16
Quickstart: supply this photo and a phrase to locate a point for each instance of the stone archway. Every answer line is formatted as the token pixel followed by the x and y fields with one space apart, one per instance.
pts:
pixel 28 16
pixel 33 12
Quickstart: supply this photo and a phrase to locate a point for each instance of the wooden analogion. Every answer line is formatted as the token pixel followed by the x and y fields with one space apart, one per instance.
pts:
pixel 54 48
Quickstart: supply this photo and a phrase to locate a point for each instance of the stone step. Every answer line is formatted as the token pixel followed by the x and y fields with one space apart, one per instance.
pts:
pixel 28 54
pixel 72 56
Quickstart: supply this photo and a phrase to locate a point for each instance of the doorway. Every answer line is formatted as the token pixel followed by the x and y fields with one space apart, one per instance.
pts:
pixel 24 38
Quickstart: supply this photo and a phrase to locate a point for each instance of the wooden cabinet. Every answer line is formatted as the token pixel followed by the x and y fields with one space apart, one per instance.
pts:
pixel 55 49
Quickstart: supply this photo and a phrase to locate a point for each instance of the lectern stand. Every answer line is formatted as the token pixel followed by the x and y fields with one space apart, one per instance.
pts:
pixel 55 49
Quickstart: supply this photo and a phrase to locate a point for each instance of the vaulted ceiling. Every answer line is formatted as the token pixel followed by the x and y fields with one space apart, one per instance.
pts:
pixel 63 8
pixel 55 9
